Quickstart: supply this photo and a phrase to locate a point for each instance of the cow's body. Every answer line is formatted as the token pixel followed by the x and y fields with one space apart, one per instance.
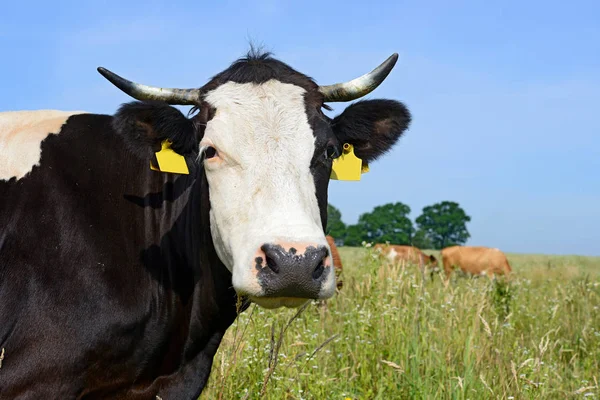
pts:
pixel 118 281
pixel 475 260
pixel 405 254
pixel 99 289
pixel 337 261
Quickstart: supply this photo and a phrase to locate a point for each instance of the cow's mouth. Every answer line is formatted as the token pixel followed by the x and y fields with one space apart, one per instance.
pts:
pixel 277 302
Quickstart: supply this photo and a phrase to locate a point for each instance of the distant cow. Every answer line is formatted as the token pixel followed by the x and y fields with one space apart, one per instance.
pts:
pixel 128 241
pixel 337 261
pixel 475 260
pixel 407 254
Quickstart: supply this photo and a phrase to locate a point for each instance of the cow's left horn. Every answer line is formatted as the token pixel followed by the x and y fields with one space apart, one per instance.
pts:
pixel 145 92
pixel 360 86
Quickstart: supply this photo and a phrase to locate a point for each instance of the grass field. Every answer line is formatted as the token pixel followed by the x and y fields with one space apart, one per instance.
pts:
pixel 389 334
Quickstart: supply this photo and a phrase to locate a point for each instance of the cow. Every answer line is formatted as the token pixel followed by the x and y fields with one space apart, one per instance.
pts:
pixel 120 273
pixel 336 260
pixel 395 253
pixel 475 260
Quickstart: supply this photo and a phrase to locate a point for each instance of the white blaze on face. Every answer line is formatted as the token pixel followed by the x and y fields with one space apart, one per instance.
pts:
pixel 21 136
pixel 260 184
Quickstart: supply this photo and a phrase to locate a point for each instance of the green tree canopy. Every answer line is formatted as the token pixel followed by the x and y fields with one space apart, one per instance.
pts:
pixel 388 222
pixel 444 224
pixel 421 240
pixel 335 225
pixel 354 236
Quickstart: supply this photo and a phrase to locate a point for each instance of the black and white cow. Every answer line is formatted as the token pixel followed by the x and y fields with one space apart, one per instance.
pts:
pixel 118 281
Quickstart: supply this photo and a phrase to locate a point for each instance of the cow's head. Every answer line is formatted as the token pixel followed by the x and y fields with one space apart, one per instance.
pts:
pixel 267 149
pixel 433 262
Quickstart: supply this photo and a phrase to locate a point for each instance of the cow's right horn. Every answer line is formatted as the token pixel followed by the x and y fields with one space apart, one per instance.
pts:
pixel 145 92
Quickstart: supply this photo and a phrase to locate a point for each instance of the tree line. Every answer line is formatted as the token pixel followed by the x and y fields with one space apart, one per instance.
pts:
pixel 439 225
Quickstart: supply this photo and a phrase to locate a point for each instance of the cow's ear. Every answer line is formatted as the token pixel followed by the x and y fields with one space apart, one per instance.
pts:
pixel 432 258
pixel 371 126
pixel 145 125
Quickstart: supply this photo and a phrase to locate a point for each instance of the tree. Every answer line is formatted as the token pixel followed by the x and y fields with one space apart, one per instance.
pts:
pixel 444 224
pixel 388 222
pixel 421 240
pixel 335 225
pixel 354 236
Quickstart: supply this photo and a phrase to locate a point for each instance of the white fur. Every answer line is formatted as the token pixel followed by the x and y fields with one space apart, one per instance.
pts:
pixel 21 136
pixel 392 255
pixel 261 187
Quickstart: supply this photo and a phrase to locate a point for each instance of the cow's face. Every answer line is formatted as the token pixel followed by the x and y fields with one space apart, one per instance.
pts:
pixel 266 170
pixel 267 151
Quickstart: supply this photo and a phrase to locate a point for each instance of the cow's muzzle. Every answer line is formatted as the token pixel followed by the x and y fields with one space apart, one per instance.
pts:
pixel 298 272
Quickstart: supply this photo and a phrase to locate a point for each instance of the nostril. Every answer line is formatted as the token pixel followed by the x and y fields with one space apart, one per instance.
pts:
pixel 318 271
pixel 272 264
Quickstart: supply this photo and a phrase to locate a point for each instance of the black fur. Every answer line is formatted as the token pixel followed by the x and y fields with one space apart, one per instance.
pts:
pixel 114 263
pixel 144 125
pixel 372 126
pixel 259 68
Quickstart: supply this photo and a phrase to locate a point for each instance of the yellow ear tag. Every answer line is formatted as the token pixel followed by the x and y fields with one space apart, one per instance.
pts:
pixel 348 167
pixel 169 161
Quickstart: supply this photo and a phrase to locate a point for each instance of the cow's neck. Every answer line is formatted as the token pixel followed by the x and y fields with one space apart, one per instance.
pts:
pixel 191 288
pixel 185 265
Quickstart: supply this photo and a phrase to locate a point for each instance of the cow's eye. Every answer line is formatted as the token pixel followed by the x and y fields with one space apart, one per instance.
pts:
pixel 209 152
pixel 331 152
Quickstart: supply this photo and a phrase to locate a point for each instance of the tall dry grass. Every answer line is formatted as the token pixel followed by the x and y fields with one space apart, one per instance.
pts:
pixel 390 334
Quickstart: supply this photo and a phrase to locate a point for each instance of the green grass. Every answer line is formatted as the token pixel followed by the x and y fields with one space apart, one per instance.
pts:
pixel 389 334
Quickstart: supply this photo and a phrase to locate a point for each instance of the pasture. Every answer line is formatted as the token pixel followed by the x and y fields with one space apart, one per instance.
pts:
pixel 389 334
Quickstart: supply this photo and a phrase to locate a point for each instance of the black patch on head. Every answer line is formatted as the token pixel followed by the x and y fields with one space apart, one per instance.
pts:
pixel 372 126
pixel 256 67
pixel 206 112
pixel 321 164
pixel 260 68
pixel 144 125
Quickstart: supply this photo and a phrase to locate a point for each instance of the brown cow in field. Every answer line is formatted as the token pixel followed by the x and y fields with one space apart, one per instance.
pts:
pixel 475 260
pixel 337 261
pixel 407 254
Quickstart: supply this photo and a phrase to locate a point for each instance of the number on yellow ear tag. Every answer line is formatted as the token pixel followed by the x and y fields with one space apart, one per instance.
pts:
pixel 348 167
pixel 169 161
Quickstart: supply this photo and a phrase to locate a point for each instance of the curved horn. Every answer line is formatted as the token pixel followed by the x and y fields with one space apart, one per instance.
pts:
pixel 360 86
pixel 145 92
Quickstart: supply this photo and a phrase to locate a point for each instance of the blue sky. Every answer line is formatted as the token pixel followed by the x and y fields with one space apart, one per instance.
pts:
pixel 505 97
